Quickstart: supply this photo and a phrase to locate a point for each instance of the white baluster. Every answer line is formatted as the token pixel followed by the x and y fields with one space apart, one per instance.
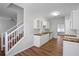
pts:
pixel 14 38
pixel 6 43
pixel 11 38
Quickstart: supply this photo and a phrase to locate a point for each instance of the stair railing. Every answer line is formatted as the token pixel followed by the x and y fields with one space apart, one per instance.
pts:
pixel 12 38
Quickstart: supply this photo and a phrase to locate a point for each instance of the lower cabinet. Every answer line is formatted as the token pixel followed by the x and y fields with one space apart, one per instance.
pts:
pixel 70 48
pixel 40 40
pixel 50 36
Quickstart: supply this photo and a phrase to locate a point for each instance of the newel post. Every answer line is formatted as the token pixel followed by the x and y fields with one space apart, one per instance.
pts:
pixel 6 43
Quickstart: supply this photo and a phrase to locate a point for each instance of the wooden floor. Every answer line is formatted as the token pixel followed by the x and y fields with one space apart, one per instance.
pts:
pixel 51 48
pixel 1 52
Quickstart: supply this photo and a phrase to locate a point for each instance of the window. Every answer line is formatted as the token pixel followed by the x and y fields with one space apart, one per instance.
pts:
pixel 60 28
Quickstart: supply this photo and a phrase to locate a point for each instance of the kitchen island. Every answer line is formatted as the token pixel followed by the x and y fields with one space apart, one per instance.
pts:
pixel 41 38
pixel 70 46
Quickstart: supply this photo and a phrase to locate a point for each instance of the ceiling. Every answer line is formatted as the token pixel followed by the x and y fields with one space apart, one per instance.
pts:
pixel 40 9
pixel 6 12
pixel 44 9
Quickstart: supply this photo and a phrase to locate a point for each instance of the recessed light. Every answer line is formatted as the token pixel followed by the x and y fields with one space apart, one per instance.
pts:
pixel 55 13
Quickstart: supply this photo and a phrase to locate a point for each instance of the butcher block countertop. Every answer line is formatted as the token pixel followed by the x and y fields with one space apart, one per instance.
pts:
pixel 42 33
pixel 71 39
pixel 68 37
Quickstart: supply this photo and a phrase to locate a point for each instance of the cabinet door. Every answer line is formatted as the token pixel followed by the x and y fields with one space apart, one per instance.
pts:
pixel 71 21
pixel 70 48
pixel 44 39
pixel 37 24
pixel 45 24
pixel 34 24
pixel 76 19
pixel 37 41
pixel 51 35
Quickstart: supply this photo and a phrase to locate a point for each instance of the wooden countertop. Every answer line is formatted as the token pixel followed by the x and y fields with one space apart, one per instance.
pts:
pixel 42 33
pixel 67 35
pixel 72 39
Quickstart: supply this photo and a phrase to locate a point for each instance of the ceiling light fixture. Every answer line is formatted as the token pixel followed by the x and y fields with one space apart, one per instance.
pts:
pixel 55 13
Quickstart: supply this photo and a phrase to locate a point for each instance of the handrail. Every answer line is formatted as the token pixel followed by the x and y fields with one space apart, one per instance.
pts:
pixel 14 27
pixel 11 28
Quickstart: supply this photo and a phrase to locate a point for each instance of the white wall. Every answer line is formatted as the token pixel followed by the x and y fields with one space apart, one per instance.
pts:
pixel 54 23
pixel 5 24
pixel 68 29
pixel 19 10
pixel 27 42
pixel 20 15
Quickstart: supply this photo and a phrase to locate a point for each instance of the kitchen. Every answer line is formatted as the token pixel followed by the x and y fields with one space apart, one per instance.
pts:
pixel 49 29
pixel 43 35
pixel 43 31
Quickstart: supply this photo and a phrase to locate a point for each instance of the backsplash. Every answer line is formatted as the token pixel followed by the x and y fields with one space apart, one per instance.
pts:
pixel 38 30
pixel 77 33
pixel 73 32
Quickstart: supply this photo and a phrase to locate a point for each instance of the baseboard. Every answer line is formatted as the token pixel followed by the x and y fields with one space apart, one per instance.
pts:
pixel 13 54
pixel 21 50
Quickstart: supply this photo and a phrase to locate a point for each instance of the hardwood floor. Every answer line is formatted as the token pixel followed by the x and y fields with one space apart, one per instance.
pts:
pixel 1 52
pixel 51 48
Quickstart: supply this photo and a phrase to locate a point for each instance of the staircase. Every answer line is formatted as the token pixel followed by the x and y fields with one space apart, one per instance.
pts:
pixel 11 38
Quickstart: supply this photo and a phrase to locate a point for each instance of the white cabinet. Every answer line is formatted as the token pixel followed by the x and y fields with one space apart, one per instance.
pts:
pixel 37 24
pixel 70 48
pixel 40 40
pixel 74 19
pixel 67 25
pixel 45 24
pixel 69 28
pixel 51 35
pixel 41 23
pixel 71 21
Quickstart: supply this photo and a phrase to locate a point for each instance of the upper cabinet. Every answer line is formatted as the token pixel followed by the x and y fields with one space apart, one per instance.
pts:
pixel 74 19
pixel 45 24
pixel 37 24
pixel 41 23
pixel 71 21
